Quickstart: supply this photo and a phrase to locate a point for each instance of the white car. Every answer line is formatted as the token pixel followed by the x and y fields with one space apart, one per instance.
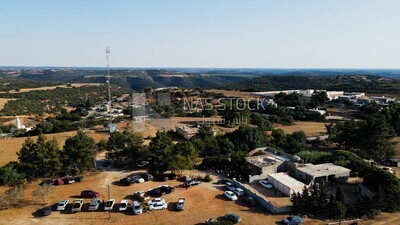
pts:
pixel 123 205
pixel 77 205
pixel 138 179
pixel 156 200
pixel 158 206
pixel 265 184
pixel 230 195
pixel 109 205
pixel 238 191
pixel 137 208
pixel 62 205
pixel 390 170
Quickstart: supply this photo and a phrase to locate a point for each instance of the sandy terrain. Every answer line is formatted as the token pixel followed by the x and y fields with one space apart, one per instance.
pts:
pixel 202 202
pixel 53 87
pixel 310 128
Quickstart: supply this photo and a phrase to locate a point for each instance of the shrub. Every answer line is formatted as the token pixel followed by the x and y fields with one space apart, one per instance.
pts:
pixel 207 178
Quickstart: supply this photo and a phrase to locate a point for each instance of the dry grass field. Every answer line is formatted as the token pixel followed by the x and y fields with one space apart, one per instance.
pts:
pixel 202 202
pixel 9 147
pixel 311 129
pixel 3 101
pixel 53 87
pixel 240 94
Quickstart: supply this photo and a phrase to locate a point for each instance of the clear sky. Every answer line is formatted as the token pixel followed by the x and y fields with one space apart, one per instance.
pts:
pixel 201 33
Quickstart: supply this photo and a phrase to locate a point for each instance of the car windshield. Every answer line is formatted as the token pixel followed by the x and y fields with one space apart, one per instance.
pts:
pixel 61 204
pixel 77 205
pixel 137 207
pixel 108 203
pixel 122 205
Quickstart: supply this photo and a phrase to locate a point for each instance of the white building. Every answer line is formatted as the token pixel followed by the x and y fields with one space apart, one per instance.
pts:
pixel 286 184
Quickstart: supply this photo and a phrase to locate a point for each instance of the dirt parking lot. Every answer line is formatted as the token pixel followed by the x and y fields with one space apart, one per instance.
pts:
pixel 202 202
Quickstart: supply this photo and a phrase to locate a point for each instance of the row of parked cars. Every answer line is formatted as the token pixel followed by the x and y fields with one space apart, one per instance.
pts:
pixel 136 179
pixel 61 181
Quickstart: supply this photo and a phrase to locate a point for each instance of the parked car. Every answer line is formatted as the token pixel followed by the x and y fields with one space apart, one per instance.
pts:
pixel 187 178
pixel 89 194
pixel 230 186
pixel 168 176
pixel 155 192
pixel 137 179
pixel 193 183
pixel 180 205
pixel 158 206
pixel 166 189
pixel 95 204
pixel 143 164
pixel 147 177
pixel 141 194
pixel 211 221
pixel 106 163
pixel 137 208
pixel 265 184
pixel 250 201
pixel 109 204
pixel 123 205
pixel 156 200
pixel 390 170
pixel 77 205
pixel 48 182
pixel 126 181
pixel 46 211
pixel 238 191
pixel 58 181
pixel 79 179
pixel 62 205
pixel 223 181
pixel 69 180
pixel 230 195
pixel 292 220
pixel 234 218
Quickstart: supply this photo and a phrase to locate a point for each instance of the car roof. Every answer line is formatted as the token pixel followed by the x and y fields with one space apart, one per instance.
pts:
pixel 124 201
pixel 232 215
pixel 229 192
pixel 135 203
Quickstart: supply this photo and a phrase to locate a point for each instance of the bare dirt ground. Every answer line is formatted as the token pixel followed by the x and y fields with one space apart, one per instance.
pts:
pixel 229 93
pixel 9 147
pixel 311 129
pixel 202 202
pixel 3 101
pixel 52 87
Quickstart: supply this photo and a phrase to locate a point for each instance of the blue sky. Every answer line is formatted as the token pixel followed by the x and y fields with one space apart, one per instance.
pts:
pixel 201 33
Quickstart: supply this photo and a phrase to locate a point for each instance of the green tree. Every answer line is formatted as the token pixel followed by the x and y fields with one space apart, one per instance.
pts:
pixel 319 98
pixel 40 158
pixel 79 152
pixel 187 150
pixel 161 147
pixel 124 144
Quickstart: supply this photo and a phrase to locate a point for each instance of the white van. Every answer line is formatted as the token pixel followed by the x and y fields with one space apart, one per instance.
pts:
pixel 238 191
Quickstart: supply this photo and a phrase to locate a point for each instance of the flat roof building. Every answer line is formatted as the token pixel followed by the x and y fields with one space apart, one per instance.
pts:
pixel 286 184
pixel 316 173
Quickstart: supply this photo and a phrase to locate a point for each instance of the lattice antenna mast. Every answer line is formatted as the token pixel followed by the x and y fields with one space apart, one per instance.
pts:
pixel 108 85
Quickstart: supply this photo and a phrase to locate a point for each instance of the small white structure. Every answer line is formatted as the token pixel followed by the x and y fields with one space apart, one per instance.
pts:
pixel 20 126
pixel 187 132
pixel 285 183
pixel 315 173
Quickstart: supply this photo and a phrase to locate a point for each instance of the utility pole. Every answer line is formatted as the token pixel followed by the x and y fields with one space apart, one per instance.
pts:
pixel 108 87
pixel 109 212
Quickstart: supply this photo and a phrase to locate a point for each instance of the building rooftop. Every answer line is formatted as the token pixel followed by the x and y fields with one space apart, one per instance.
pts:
pixel 287 180
pixel 263 157
pixel 321 170
pixel 189 130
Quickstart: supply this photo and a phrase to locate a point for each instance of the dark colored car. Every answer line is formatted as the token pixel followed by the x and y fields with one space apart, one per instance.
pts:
pixel 250 201
pixel 166 189
pixel 126 181
pixel 46 211
pixel 169 176
pixel 234 218
pixel 79 179
pixel 147 177
pixel 49 182
pixel 223 181
pixel 106 163
pixel 155 192
pixel 89 194
pixel 68 180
